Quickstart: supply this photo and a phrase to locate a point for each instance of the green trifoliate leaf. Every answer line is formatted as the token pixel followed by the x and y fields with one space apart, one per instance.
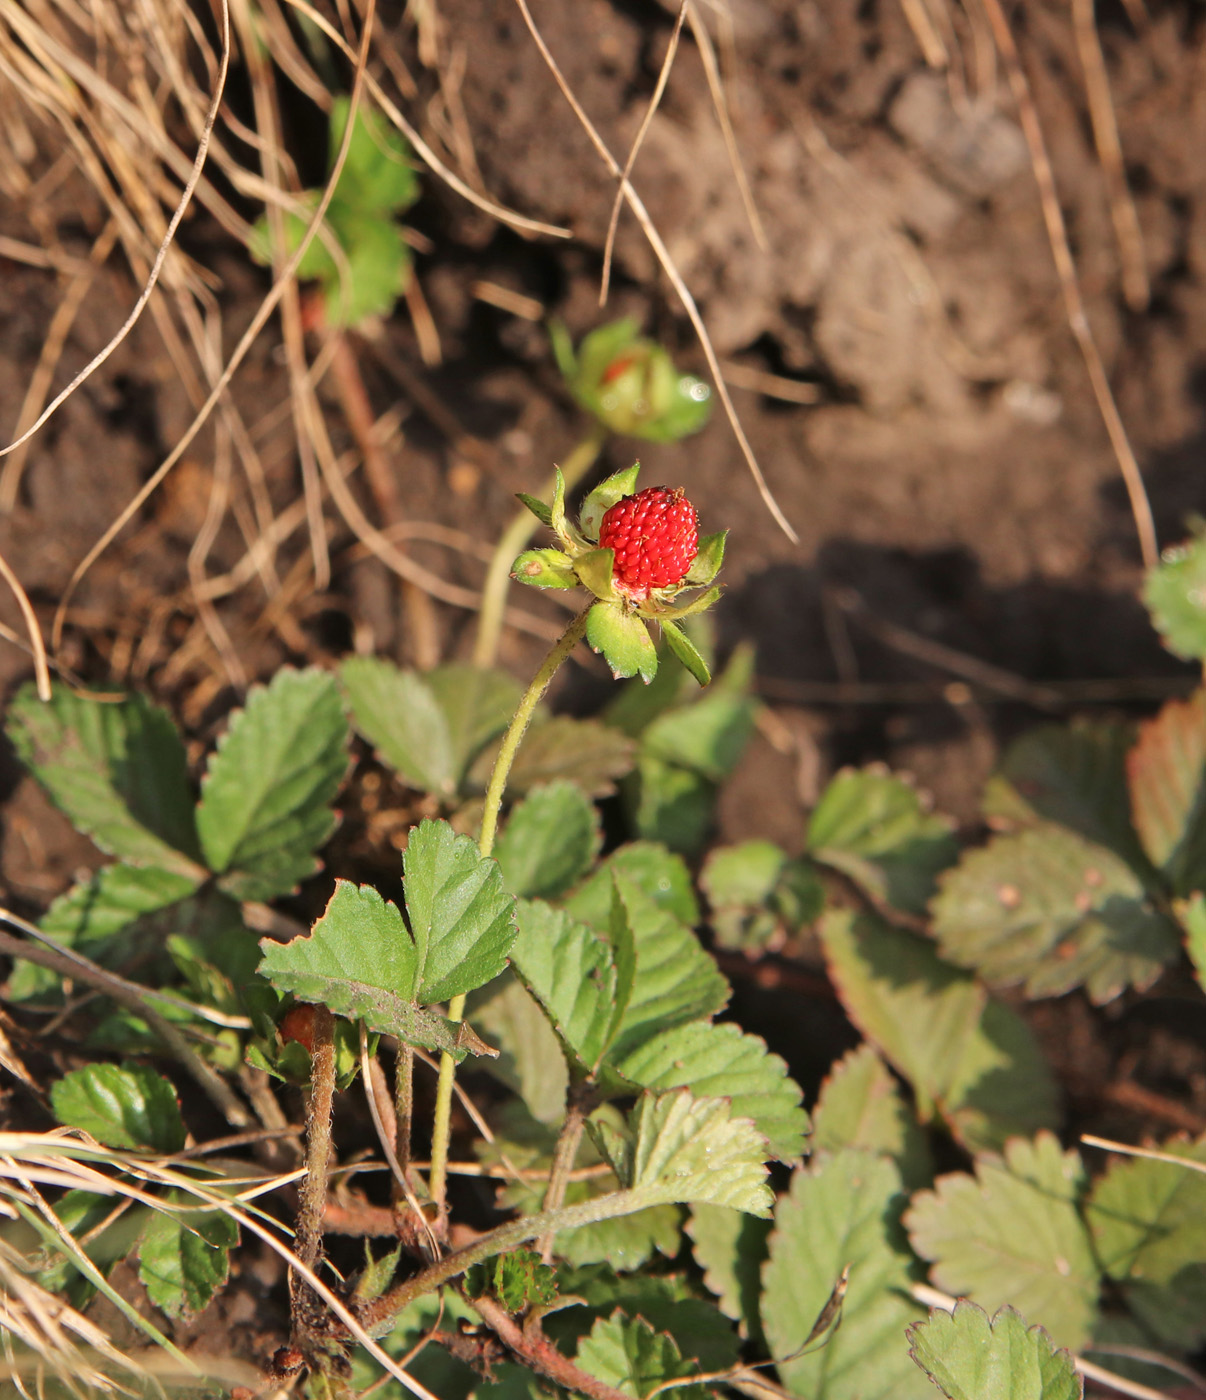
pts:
pixel 594 568
pixel 265 799
pixel 599 501
pixel 1166 771
pixel 731 1248
pixel 1175 594
pixel 184 1257
pixel 549 842
pixel 876 828
pixel 1148 1220
pixel 841 1212
pixel 708 560
pixel 718 1059
pixel 124 1106
pixel 969 1058
pixel 1013 1234
pixel 1073 775
pixel 1047 908
pixel 119 771
pixel 861 1106
pixel 657 872
pixel 677 1148
pixel 545 568
pixel 622 639
pixel 683 648
pixel 970 1358
pixel 628 1355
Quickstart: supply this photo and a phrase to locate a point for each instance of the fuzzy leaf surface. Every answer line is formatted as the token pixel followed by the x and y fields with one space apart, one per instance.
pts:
pixel 184 1258
pixel 1167 774
pixel 861 1106
pixel 1148 1221
pixel 627 1354
pixel 970 1358
pixel 125 1106
pixel 967 1057
pixel 843 1211
pixel 266 797
pixel 875 828
pixel 549 842
pixel 1013 1235
pixel 544 568
pixel 119 772
pixel 718 1060
pixel 731 1247
pixel 1045 907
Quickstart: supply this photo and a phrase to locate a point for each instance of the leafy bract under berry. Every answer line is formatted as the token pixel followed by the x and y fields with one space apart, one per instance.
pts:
pixel 655 537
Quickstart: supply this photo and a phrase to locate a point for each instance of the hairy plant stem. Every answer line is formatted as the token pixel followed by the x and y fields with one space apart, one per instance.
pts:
pixel 404 1107
pixel 515 540
pixel 535 1350
pixel 309 1315
pixel 568 640
pixel 578 1106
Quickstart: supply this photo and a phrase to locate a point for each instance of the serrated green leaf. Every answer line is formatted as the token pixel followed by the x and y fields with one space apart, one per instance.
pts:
pixel 1013 1235
pixel 265 799
pixel 967 1057
pixel 1148 1221
pixel 184 1258
pixel 125 1106
pixel 1175 594
pixel 1045 907
pixel 627 1354
pixel 460 915
pixel 518 1279
pixel 530 1060
pixel 860 1106
pixel 685 651
pixel 677 1148
pixel 659 873
pixel 544 568
pixel 119 772
pixel 706 737
pixel 842 1211
pixel 377 266
pixel 876 828
pixel 360 962
pixel 970 1358
pixel 718 1060
pixel 600 500
pixel 622 639
pixel 398 713
pixel 571 971
pixel 676 981
pixel 1073 775
pixel 583 751
pixel 1166 771
pixel 377 174
pixel 731 1248
pixel 549 842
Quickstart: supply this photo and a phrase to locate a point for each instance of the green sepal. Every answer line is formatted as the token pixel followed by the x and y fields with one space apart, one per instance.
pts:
pixel 623 640
pixel 696 605
pixel 604 496
pixel 545 568
pixel 681 645
pixel 557 514
pixel 538 508
pixel 563 351
pixel 596 569
pixel 707 561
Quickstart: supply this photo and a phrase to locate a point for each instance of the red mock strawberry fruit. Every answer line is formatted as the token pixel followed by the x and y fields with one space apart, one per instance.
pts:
pixel 655 536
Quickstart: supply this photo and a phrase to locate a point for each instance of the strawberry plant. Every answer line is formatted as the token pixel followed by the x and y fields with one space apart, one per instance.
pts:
pixel 655 1226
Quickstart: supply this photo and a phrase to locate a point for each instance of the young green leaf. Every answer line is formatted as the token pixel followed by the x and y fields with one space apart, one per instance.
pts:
pixel 970 1358
pixel 657 872
pixel 377 175
pixel 124 1106
pixel 677 1148
pixel 360 961
pixel 967 1057
pixel 544 568
pixel 876 828
pixel 1045 907
pixel 549 842
pixel 684 649
pixel 627 1354
pixel 1175 594
pixel 599 501
pixel 719 1060
pixel 1013 1234
pixel 731 1248
pixel 842 1212
pixel 265 800
pixel 516 1279
pixel 119 771
pixel 184 1258
pixel 622 639
pixel 1166 771
pixel 375 268
pixel 1148 1221
pixel 756 890
pixel 861 1106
